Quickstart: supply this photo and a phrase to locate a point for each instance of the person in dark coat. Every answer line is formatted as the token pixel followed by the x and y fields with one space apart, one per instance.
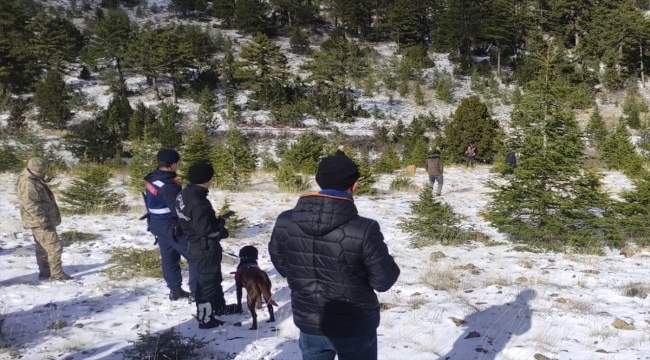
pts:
pixel 161 189
pixel 435 168
pixel 204 229
pixel 334 261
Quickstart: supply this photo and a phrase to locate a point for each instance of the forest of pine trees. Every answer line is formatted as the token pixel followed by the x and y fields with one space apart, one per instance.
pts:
pixel 548 60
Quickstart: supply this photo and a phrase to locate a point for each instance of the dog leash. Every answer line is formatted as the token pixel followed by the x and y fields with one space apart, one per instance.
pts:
pixel 227 253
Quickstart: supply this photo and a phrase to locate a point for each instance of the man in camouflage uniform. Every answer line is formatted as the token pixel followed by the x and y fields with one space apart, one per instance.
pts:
pixel 40 213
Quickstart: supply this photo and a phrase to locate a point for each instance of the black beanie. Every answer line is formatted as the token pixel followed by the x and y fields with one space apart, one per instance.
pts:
pixel 200 173
pixel 337 173
pixel 168 156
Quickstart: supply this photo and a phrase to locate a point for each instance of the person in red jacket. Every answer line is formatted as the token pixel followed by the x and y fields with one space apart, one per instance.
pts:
pixel 334 261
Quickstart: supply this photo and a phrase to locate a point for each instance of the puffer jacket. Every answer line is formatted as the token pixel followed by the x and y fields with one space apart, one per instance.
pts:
pixel 38 208
pixel 334 261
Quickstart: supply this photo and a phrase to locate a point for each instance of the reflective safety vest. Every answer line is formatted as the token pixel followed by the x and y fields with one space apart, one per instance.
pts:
pixel 157 208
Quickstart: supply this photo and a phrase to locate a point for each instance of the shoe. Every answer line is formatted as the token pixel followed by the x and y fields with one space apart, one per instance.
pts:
pixel 62 277
pixel 179 293
pixel 43 276
pixel 213 323
pixel 226 310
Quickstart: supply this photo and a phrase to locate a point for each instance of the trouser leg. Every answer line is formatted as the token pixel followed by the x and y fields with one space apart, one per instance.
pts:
pixel 41 259
pixel 170 257
pixel 51 244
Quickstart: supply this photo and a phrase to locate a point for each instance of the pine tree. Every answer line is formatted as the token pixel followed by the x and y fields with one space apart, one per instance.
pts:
pixel 472 123
pixel 289 181
pixel 632 108
pixel 366 177
pixel 93 140
pixel 235 223
pixel 90 193
pixel 19 66
pixel 205 115
pixel 619 153
pixel 635 211
pixel 234 161
pixel 143 118
pixel 418 95
pixel 166 129
pixel 250 16
pixel 262 62
pixel 388 160
pixel 143 160
pixel 299 42
pixel 416 150
pixel 117 115
pixel 8 159
pixel 51 99
pixel 404 22
pixel 303 156
pixel 596 130
pixel 55 40
pixel 550 198
pixel 110 35
pixel 196 148
pixel 224 10
pixel 432 222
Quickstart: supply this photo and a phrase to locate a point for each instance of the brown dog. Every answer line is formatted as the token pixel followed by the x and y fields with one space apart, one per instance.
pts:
pixel 256 282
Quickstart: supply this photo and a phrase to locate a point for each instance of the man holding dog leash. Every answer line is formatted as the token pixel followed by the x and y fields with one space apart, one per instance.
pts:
pixel 204 230
pixel 334 261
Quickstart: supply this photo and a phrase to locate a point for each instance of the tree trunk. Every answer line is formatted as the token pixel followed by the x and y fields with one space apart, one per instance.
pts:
pixel 498 61
pixel 576 36
pixel 289 17
pixel 119 69
pixel 155 87
pixel 642 69
pixel 174 89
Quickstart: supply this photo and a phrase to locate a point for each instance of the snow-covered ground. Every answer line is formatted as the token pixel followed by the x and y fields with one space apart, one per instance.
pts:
pixel 515 305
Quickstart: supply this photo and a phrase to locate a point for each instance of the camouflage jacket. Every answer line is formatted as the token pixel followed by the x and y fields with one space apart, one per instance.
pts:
pixel 38 208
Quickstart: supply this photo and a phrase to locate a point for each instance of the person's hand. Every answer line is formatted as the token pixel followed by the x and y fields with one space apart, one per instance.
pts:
pixel 204 313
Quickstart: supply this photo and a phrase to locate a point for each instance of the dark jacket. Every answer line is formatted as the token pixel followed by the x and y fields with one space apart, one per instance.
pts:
pixel 434 165
pixel 161 189
pixel 196 217
pixel 334 261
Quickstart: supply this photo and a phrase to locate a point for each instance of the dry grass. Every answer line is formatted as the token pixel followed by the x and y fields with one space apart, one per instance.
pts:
pixel 441 278
pixel 603 332
pixel 525 262
pixel 416 302
pixel 497 279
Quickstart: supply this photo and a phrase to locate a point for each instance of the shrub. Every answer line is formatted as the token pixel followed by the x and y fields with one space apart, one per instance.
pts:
pixel 433 222
pixel 388 160
pixel 8 159
pixel 131 262
pixel 402 183
pixel 93 140
pixel 268 164
pixel 417 57
pixel 169 344
pixel 143 161
pixel 288 180
pixel 303 156
pixel 89 192
pixel 78 236
pixel 234 161
pixel 235 224
pixel 51 99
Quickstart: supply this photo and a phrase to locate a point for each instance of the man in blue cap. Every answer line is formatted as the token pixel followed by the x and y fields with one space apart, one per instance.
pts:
pixel 161 190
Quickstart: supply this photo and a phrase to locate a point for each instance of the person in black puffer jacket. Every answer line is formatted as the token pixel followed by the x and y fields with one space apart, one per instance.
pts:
pixel 334 261
pixel 203 230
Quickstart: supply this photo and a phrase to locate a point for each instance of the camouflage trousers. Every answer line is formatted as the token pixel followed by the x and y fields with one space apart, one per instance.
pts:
pixel 48 252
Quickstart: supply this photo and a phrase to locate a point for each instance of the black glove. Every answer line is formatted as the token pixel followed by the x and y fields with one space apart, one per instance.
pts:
pixel 177 227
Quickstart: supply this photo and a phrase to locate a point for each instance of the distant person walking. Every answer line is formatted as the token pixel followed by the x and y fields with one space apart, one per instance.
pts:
pixel 40 213
pixel 434 167
pixel 470 152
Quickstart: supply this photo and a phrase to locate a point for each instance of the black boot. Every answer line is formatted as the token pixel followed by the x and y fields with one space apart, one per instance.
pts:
pixel 179 293
pixel 213 323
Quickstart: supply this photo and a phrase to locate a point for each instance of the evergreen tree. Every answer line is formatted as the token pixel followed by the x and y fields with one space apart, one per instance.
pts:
pixel 366 177
pixel 416 150
pixel 294 13
pixel 288 180
pixel 632 108
pixel 635 211
pixel 405 22
pixel 146 54
pixel 262 62
pixel 90 193
pixel 235 223
pixel 596 130
pixel 18 65
pixel 196 148
pixel 299 42
pixel 55 40
pixel 550 198
pixel 388 160
pixel 224 10
pixel 8 159
pixel 93 140
pixel 166 129
pixel 234 161
pixel 432 221
pixel 110 35
pixel 143 160
pixel 620 154
pixel 303 156
pixel 51 99
pixel 117 115
pixel 143 118
pixel 472 123
pixel 250 16
pixel 205 115
pixel 418 95
pixel 177 55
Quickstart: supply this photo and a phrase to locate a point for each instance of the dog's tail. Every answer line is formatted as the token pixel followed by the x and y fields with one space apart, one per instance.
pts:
pixel 266 292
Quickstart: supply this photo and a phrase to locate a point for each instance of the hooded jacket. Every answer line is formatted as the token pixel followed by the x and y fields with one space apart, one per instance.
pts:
pixel 334 261
pixel 196 217
pixel 38 208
